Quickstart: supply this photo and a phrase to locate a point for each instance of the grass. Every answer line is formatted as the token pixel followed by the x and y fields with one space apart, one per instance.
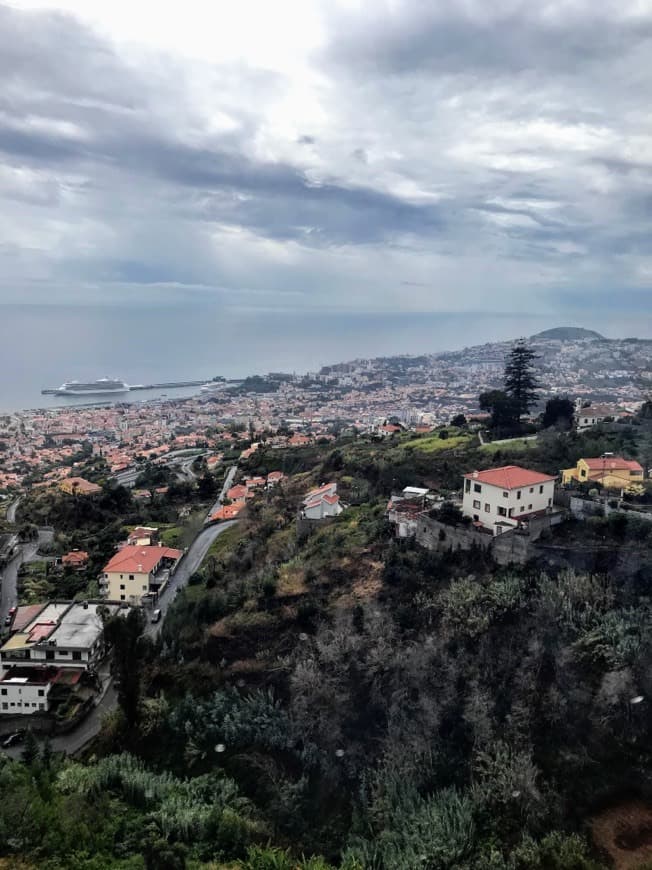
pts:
pixel 435 444
pixel 226 541
pixel 514 445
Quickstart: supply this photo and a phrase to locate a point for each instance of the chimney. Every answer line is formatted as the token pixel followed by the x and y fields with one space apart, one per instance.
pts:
pixel 476 473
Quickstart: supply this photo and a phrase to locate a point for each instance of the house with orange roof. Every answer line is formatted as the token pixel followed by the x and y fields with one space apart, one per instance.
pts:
pixel 238 493
pixel 298 440
pixel 253 482
pixel 500 499
pixel 79 486
pixel 274 478
pixel 227 512
pixel 611 472
pixel 321 503
pixel 76 559
pixel 136 571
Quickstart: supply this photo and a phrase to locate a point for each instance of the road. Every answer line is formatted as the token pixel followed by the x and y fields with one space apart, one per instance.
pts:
pixel 27 552
pixel 11 511
pixel 187 567
pixel 90 727
pixel 228 482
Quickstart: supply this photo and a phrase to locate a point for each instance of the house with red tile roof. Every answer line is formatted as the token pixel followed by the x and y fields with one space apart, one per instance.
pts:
pixel 135 571
pixel 273 478
pixel 322 502
pixel 238 493
pixel 500 499
pixel 79 486
pixel 227 512
pixel 612 472
pixel 76 559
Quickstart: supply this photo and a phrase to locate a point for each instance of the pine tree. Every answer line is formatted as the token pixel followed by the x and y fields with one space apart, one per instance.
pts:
pixel 520 380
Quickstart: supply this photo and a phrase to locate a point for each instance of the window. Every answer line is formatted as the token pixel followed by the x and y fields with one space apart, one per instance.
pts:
pixel 518 494
pixel 41 693
pixel 41 706
pixel 122 576
pixel 63 652
pixel 583 472
pixel 476 505
pixel 122 585
pixel 549 502
pixel 145 588
pixel 49 654
pixel 131 576
pixel 122 597
pixel 477 487
pixel 529 507
pixel 467 486
pixel 76 655
pixel 487 507
pixel 541 489
pixel 522 508
pixel 531 489
pixel 5 706
pixel 502 512
pixel 475 518
pixel 3 692
pixel 505 495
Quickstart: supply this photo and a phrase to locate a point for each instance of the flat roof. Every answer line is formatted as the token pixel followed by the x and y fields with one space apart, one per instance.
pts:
pixel 80 627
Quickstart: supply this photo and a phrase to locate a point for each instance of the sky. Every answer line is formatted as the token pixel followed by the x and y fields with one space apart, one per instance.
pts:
pixel 339 155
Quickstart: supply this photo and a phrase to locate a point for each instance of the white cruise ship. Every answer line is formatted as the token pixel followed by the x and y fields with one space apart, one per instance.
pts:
pixel 100 387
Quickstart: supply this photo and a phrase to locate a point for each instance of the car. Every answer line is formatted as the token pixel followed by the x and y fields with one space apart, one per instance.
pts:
pixel 13 738
pixel 8 619
pixel 12 611
pixel 156 615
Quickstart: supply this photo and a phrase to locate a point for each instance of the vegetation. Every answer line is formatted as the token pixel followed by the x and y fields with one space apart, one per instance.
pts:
pixel 355 697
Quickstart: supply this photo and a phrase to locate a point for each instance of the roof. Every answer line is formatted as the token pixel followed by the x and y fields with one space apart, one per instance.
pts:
pixel 139 560
pixel 227 512
pixel 321 490
pixel 75 557
pixel 509 477
pixel 24 615
pixel 611 462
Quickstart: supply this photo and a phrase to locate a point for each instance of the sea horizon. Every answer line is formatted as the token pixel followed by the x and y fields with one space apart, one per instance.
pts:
pixel 43 346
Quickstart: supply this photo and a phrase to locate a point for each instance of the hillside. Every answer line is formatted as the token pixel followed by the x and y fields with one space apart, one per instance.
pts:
pixel 350 695
pixel 569 333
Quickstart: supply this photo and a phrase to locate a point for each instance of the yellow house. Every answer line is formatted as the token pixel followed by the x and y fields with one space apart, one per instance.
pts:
pixel 611 472
pixel 135 571
pixel 79 486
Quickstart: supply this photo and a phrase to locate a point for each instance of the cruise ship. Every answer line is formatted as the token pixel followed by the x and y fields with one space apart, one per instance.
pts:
pixel 100 387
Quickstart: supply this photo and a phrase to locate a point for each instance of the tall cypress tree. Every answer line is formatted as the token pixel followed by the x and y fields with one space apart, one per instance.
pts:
pixel 520 380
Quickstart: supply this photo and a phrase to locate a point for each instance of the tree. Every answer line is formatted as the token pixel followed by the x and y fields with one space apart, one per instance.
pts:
pixel 206 486
pixel 504 412
pixel 520 381
pixel 559 412
pixel 124 634
pixel 459 420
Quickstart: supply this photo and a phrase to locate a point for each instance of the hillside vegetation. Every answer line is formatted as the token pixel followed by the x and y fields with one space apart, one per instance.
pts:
pixel 350 696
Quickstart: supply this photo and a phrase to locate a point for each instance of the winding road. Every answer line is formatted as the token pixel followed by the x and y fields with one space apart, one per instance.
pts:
pixel 27 552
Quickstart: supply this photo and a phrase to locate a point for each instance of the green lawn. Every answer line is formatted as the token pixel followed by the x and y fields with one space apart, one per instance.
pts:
pixel 226 541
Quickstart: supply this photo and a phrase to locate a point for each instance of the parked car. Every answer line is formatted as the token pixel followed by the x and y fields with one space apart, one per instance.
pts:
pixel 12 611
pixel 13 738
pixel 156 615
pixel 8 619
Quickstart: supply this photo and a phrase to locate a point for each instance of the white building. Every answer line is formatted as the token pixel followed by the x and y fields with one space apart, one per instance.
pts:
pixel 136 571
pixel 61 634
pixel 501 498
pixel 322 502
pixel 25 690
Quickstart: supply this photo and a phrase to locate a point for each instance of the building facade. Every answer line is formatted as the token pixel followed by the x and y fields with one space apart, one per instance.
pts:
pixel 135 572
pixel 612 472
pixel 501 498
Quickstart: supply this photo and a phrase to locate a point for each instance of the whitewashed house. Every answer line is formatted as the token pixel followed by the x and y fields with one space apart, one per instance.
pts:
pixel 322 502
pixel 500 498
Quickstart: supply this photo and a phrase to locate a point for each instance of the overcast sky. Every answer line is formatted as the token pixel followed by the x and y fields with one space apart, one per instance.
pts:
pixel 372 155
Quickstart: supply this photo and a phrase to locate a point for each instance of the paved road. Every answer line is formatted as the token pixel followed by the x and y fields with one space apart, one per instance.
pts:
pixel 188 565
pixel 11 511
pixel 228 482
pixel 27 552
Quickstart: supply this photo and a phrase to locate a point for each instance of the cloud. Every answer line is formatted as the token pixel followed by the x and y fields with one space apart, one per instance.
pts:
pixel 455 153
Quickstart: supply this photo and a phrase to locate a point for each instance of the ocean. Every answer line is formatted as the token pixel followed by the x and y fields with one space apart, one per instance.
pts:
pixel 41 346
